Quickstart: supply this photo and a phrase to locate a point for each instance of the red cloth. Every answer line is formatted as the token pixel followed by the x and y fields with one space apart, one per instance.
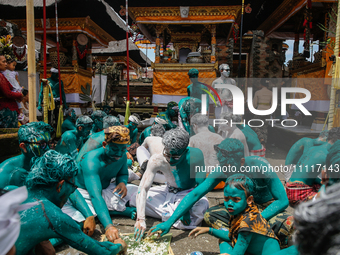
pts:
pixel 7 97
pixel 298 192
pixel 260 153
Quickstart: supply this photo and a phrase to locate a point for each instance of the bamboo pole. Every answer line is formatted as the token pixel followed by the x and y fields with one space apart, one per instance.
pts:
pixel 333 90
pixel 31 61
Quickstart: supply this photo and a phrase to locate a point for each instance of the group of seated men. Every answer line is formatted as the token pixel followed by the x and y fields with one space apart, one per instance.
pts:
pixel 86 175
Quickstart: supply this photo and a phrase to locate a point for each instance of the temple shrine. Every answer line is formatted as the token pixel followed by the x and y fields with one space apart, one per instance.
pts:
pixel 191 30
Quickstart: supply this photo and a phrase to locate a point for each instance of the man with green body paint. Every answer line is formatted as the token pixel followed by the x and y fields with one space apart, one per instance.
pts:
pixel 197 89
pixel 96 170
pixel 249 232
pixel 254 145
pixel 69 121
pixel 97 117
pixel 178 163
pixel 50 183
pixel 188 107
pixel 302 146
pixel 304 183
pixel 96 140
pixel 34 141
pixel 147 131
pixel 54 83
pixel 171 111
pixel 71 141
pixel 134 121
pixel 270 195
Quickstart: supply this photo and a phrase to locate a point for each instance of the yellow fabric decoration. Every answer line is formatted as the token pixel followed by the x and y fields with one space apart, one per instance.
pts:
pixel 60 121
pixel 127 113
pixel 48 100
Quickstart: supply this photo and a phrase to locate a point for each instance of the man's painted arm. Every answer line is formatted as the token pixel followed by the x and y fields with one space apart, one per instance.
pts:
pixel 219 233
pixel 190 199
pixel 123 174
pixel 241 246
pixel 80 204
pixel 279 194
pixel 144 187
pixel 94 187
pixel 197 167
pixel 69 231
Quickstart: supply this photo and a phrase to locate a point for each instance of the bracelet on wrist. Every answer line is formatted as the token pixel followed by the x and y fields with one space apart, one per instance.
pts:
pixel 210 231
pixel 108 226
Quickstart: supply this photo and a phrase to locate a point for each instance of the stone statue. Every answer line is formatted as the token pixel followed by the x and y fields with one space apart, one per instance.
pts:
pixel 224 93
pixel 113 75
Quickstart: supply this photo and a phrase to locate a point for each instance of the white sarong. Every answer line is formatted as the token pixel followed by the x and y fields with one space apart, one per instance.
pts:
pixel 161 204
pixel 112 202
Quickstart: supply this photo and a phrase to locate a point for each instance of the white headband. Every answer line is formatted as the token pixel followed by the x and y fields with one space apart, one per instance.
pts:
pixel 161 121
pixel 9 217
pixel 54 70
pixel 134 119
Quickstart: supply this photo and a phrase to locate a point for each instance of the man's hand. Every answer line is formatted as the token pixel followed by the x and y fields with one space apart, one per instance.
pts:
pixel 122 189
pixel 198 231
pixel 163 227
pixel 124 245
pixel 89 226
pixel 140 228
pixel 44 248
pixel 186 218
pixel 39 108
pixel 111 234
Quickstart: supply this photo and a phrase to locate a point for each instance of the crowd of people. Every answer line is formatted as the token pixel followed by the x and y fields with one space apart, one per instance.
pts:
pixel 52 192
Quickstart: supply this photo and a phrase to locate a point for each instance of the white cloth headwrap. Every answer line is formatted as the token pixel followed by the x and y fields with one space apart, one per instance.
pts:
pixel 9 217
pixel 134 119
pixel 161 121
pixel 54 70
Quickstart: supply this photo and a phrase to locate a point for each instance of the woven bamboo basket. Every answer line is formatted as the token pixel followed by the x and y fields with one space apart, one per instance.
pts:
pixel 54 59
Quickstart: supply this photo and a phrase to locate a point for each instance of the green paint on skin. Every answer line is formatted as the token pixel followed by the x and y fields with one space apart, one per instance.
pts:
pixel 13 171
pixel 133 132
pixel 252 139
pixel 94 175
pixel 235 200
pixel 312 159
pixel 46 220
pixel 268 186
pixel 69 122
pixel 185 114
pixel 54 83
pixel 73 139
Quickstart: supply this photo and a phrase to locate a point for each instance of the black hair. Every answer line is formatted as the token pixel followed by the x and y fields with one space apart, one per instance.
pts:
pixel 25 92
pixel 241 182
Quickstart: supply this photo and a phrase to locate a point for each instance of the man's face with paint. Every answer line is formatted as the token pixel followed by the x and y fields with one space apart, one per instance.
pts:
pixel 235 200
pixel 133 125
pixel 85 129
pixel 38 146
pixel 66 190
pixel 174 156
pixel 98 124
pixel 73 115
pixel 115 151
